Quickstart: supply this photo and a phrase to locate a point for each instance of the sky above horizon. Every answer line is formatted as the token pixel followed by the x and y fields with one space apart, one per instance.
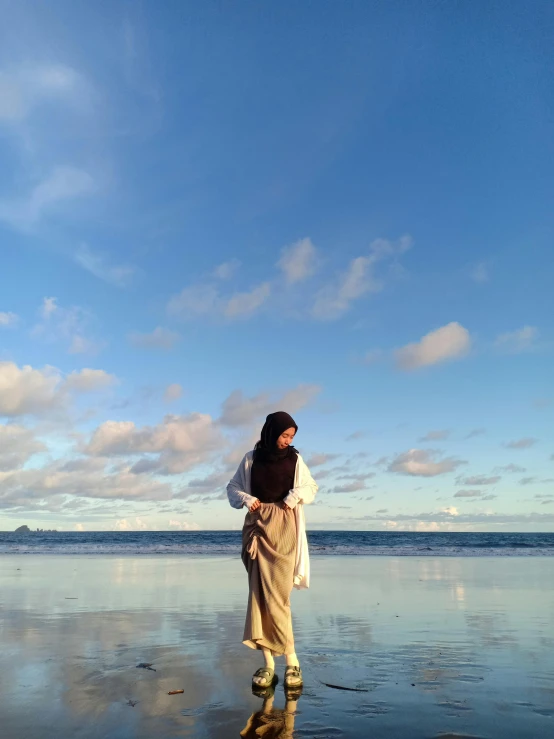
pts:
pixel 212 211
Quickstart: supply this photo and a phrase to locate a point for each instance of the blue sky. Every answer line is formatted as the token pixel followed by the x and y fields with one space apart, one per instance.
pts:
pixel 212 211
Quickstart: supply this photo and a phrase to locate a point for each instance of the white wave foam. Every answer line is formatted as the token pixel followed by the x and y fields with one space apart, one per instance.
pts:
pixel 209 550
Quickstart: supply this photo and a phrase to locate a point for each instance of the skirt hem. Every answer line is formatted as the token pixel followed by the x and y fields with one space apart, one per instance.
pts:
pixel 259 644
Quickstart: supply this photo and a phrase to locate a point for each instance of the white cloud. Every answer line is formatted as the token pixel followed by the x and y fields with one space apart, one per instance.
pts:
pixel 510 468
pixel 173 392
pixel 17 445
pixel 480 273
pixel 226 270
pixel 79 527
pixel 213 482
pixel 350 487
pixel 183 525
pixel 123 524
pixel 180 442
pixel 8 319
pixel 24 88
pixel 384 249
pixel 238 410
pixel 437 435
pixel 81 345
pixel 475 432
pixel 524 443
pixel 444 344
pixel 423 463
pixel 67 325
pixel 246 440
pixel 193 301
pixel 243 305
pixel 159 338
pixel 336 298
pixel 48 308
pixel 64 183
pixel 88 380
pixel 48 488
pixel 298 261
pixel 333 301
pixel 316 460
pixel 352 475
pixel 464 521
pixel 515 342
pixel 98 265
pixel 206 300
pixel 468 494
pixel 27 390
pixel 479 480
pixel 145 466
pixel 422 521
pixel 354 436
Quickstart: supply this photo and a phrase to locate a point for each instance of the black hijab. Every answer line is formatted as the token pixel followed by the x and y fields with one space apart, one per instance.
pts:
pixel 275 424
pixel 273 469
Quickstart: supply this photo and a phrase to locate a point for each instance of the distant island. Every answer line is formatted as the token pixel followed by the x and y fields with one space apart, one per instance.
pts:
pixel 27 530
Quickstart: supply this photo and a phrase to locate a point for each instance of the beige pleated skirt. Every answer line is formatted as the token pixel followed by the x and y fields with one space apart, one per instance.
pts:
pixel 269 554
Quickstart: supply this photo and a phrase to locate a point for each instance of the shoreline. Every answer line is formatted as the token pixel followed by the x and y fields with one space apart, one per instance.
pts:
pixel 538 554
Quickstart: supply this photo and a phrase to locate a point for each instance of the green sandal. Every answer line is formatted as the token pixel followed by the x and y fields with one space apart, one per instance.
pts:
pixel 264 693
pixel 268 675
pixel 295 672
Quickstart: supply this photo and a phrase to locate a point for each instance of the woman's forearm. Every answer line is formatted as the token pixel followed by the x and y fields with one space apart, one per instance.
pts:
pixel 238 498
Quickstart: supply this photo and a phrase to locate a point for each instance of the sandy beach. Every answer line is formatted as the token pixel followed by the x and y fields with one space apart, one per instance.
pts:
pixel 434 647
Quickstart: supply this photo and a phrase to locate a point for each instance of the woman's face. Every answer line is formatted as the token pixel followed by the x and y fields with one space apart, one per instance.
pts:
pixel 286 438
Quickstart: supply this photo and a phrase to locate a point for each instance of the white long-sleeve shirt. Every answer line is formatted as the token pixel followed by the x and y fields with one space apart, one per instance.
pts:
pixel 303 492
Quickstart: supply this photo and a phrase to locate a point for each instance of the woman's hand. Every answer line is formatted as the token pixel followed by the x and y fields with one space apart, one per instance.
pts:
pixel 286 507
pixel 254 507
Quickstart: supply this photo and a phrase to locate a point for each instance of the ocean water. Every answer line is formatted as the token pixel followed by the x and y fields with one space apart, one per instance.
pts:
pixel 221 543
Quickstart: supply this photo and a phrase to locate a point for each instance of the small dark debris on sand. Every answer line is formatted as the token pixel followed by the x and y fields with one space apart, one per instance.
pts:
pixel 132 703
pixel 341 687
pixel 175 692
pixel 146 666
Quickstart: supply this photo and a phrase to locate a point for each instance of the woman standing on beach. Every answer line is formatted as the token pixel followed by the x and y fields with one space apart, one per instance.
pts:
pixel 273 482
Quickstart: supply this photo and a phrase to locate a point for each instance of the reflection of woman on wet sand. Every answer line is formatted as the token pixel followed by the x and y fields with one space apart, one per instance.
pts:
pixel 271 723
pixel 273 482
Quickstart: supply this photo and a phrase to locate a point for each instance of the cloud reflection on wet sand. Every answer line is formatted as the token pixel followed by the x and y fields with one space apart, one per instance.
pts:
pixel 439 647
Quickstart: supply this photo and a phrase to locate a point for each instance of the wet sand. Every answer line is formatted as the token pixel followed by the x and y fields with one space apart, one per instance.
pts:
pixel 436 647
